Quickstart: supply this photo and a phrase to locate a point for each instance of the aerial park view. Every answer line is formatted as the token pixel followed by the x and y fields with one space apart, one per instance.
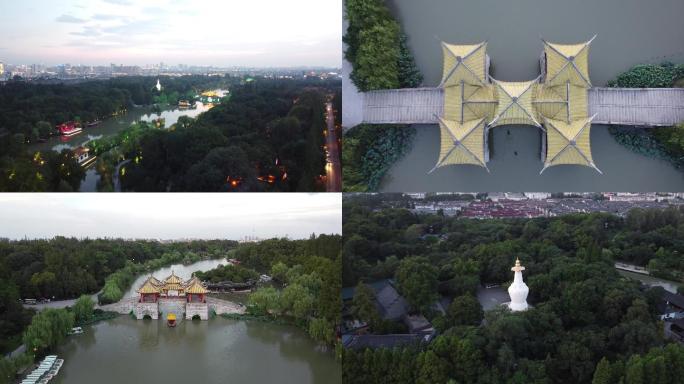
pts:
pixel 140 300
pixel 90 101
pixel 419 120
pixel 473 295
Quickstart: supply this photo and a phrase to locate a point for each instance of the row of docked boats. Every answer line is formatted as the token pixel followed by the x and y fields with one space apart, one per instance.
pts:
pixel 47 369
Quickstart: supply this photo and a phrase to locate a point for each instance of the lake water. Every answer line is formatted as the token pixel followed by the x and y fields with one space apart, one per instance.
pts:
pixel 214 351
pixel 670 286
pixel 629 32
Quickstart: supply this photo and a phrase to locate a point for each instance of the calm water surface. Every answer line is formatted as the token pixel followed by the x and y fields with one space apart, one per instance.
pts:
pixel 629 32
pixel 670 286
pixel 124 350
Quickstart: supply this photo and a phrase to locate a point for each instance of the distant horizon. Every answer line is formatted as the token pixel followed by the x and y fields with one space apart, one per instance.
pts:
pixel 160 216
pixel 177 239
pixel 259 33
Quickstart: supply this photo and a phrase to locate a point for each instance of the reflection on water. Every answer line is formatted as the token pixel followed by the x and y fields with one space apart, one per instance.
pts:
pixel 513 30
pixel 515 166
pixel 214 351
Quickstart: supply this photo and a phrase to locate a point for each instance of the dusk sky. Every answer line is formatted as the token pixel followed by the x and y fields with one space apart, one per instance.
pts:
pixel 260 33
pixel 170 216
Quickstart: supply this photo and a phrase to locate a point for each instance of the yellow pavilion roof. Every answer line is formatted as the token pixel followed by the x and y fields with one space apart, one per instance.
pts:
pixel 195 287
pixel 464 64
pixel 173 287
pixel 515 103
pixel 148 287
pixel 461 143
pixel 569 143
pixel 465 102
pixel 173 279
pixel 561 102
pixel 567 63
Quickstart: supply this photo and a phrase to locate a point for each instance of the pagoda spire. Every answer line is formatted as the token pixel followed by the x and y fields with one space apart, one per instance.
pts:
pixel 518 290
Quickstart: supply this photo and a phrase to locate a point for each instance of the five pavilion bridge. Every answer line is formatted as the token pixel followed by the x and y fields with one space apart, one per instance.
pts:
pixel 642 107
pixel 184 299
pixel 560 101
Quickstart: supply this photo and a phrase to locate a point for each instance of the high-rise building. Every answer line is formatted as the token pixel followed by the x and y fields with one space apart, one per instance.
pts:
pixel 2 68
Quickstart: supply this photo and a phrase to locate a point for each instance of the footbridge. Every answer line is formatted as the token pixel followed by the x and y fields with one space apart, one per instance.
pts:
pixel 643 107
pixel 561 102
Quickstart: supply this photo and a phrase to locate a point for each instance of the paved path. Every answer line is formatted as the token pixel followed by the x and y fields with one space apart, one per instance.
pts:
pixel 58 303
pixel 333 168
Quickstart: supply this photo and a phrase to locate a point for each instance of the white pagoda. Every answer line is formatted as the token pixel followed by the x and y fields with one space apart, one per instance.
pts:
pixel 158 86
pixel 518 290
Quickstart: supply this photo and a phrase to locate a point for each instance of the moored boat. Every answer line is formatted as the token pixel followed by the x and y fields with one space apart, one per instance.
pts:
pixel 69 128
pixel 171 319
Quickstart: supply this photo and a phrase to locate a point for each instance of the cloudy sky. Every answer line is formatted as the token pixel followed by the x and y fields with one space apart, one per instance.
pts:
pixel 260 33
pixel 169 216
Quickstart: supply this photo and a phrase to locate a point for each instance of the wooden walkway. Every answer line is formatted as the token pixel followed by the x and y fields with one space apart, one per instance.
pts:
pixel 647 107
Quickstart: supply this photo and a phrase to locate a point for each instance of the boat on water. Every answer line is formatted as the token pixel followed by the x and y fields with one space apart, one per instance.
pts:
pixel 93 123
pixel 171 319
pixel 47 369
pixel 76 331
pixel 69 128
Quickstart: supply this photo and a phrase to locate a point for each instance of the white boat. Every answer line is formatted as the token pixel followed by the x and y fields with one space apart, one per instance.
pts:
pixel 77 330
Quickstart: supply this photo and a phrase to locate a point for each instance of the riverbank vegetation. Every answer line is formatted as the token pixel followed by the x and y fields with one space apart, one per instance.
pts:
pixel 309 270
pixel 29 111
pixel 231 273
pixel 32 109
pixel 583 310
pixel 381 59
pixel 665 143
pixel 66 268
pixel 269 137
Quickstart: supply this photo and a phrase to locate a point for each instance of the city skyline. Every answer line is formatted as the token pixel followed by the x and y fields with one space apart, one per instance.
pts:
pixel 149 216
pixel 262 33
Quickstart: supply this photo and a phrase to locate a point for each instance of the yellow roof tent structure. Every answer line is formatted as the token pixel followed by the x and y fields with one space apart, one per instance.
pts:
pixel 567 63
pixel 515 103
pixel 149 287
pixel 466 102
pixel 562 102
pixel 461 143
pixel 195 287
pixel 568 143
pixel 464 64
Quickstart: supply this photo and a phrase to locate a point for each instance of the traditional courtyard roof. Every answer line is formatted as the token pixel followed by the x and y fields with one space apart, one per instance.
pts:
pixel 567 63
pixel 461 143
pixel 195 287
pixel 569 143
pixel 173 279
pixel 464 63
pixel 148 287
pixel 515 103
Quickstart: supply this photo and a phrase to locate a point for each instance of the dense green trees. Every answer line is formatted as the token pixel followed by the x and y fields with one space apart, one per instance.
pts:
pixel 417 281
pixel 83 309
pixel 587 321
pixel 268 137
pixel 48 328
pixel 13 317
pixel 310 272
pixel 381 59
pixel 232 273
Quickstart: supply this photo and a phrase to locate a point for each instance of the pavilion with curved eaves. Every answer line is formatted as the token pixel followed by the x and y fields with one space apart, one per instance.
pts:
pixel 556 102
